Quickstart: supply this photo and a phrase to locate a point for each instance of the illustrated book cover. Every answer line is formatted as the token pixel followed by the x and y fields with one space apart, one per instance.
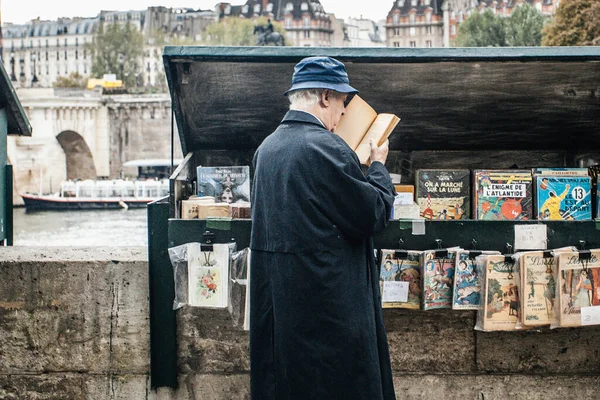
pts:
pixel 208 276
pixel 578 289
pixel 400 279
pixel 443 193
pixel 467 280
pixel 501 306
pixel 225 184
pixel 438 277
pixel 360 123
pixel 538 288
pixel 502 195
pixel 563 194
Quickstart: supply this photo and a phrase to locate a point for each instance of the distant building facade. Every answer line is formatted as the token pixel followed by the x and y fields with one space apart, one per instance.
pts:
pixel 364 33
pixel 37 53
pixel 434 23
pixel 305 22
pixel 415 23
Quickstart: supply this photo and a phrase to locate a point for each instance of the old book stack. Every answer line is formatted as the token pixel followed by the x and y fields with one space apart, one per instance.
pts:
pixel 223 192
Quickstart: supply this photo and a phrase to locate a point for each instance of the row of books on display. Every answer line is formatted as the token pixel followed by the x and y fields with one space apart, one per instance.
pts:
pixel 527 290
pixel 515 195
pixel 222 192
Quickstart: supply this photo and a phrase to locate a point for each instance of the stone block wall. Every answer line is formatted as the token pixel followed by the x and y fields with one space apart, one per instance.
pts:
pixel 74 325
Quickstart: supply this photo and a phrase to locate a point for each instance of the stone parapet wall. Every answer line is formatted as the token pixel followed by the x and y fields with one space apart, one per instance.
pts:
pixel 74 325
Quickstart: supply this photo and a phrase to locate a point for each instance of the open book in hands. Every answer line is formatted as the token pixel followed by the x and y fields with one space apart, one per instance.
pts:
pixel 360 123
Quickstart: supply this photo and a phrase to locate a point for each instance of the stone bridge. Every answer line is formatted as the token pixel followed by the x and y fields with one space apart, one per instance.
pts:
pixel 82 134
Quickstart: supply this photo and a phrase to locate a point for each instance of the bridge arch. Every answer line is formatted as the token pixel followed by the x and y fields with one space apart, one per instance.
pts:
pixel 79 158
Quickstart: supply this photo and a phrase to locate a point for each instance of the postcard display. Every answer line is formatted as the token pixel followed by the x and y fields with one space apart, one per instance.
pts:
pixel 212 276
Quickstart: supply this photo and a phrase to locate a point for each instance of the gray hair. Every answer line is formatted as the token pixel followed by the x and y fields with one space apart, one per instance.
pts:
pixel 303 98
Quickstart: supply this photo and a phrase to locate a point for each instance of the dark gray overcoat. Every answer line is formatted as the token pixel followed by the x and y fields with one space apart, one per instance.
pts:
pixel 316 329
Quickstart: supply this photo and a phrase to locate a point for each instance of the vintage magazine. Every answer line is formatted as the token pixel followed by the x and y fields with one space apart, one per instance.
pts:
pixel 438 278
pixel 502 195
pixel 444 193
pixel 225 184
pixel 538 286
pixel 400 279
pixel 208 276
pixel 501 304
pixel 578 289
pixel 467 280
pixel 563 198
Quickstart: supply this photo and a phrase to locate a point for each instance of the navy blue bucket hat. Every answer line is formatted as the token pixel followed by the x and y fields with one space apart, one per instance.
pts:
pixel 321 73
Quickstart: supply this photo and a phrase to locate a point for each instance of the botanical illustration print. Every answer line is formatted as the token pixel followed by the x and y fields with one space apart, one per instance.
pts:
pixel 207 285
pixel 208 273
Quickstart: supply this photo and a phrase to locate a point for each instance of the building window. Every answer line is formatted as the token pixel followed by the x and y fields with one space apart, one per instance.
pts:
pixel 413 44
pixel 396 31
pixel 306 21
pixel 396 44
pixel 304 6
pixel 428 17
pixel 288 22
pixel 460 16
pixel 412 18
pixel 46 56
pixel 453 29
pixel 76 55
pixel 428 43
pixel 413 3
pixel 412 31
pixel 85 68
pixel 396 18
pixel 65 42
pixel 428 30
pixel 306 34
pixel 289 7
pixel 84 54
pixel 257 8
pixel 58 55
pixel 46 42
pixel 65 54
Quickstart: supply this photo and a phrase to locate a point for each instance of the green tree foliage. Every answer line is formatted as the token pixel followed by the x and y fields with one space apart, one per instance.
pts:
pixel 74 80
pixel 117 49
pixel 481 30
pixel 238 32
pixel 522 28
pixel 576 23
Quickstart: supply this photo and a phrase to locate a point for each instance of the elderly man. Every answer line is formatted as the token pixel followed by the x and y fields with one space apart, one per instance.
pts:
pixel 316 329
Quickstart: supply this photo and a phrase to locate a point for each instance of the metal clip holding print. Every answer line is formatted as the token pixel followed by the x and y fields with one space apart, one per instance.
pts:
pixel 207 249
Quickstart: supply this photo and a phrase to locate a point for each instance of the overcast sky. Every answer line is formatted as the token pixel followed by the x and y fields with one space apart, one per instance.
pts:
pixel 21 11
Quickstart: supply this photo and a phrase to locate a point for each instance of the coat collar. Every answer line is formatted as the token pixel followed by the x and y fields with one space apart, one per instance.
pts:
pixel 301 116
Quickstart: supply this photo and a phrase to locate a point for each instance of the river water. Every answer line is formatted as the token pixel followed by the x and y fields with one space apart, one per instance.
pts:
pixel 81 228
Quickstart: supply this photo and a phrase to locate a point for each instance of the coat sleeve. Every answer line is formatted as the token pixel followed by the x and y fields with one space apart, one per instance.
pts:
pixel 357 204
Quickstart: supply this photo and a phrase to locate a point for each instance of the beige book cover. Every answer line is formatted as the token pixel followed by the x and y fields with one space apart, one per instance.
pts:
pixel 189 207
pixel 360 123
pixel 501 305
pixel 578 289
pixel 538 286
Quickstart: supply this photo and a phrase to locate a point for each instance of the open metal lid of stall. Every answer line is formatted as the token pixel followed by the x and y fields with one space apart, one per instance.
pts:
pixel 227 98
pixel 18 124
